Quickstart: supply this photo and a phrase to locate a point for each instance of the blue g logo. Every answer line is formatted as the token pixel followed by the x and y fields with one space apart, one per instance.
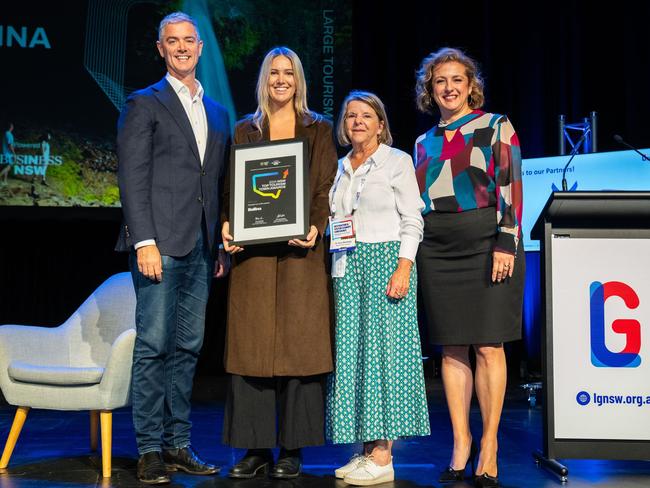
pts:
pixel 583 398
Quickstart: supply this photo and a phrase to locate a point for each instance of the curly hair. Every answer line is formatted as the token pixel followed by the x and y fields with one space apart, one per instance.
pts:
pixel 423 90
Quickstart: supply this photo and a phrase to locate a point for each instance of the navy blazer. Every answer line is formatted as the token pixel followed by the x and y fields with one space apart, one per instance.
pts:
pixel 165 192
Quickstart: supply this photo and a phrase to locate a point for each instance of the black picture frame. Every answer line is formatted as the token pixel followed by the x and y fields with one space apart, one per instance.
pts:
pixel 269 191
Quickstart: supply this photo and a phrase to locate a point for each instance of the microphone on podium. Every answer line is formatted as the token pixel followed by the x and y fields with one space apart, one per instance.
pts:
pixel 621 141
pixel 575 150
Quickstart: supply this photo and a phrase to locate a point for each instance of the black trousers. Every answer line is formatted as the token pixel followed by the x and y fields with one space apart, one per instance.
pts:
pixel 254 406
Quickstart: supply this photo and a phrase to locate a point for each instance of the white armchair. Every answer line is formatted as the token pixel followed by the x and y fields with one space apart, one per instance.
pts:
pixel 83 364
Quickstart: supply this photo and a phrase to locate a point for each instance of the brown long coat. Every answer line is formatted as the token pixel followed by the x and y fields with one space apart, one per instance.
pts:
pixel 279 304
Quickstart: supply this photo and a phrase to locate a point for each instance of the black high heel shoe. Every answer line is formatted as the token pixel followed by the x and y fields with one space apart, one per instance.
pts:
pixel 451 475
pixel 486 481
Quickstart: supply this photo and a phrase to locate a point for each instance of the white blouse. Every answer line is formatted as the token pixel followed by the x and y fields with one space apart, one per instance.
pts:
pixel 389 205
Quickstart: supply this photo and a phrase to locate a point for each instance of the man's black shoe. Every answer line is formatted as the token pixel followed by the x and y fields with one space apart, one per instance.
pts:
pixel 151 469
pixel 187 460
pixel 255 462
pixel 288 466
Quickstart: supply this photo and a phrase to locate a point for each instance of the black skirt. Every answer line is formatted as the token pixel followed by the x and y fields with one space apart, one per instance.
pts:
pixel 454 263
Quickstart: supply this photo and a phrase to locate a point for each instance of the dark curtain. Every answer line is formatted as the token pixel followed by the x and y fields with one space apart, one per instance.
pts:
pixel 539 60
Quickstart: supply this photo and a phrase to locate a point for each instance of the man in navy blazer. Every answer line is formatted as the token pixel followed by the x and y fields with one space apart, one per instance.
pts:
pixel 172 146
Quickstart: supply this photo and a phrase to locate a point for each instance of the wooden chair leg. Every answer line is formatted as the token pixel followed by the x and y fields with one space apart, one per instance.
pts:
pixel 106 419
pixel 16 427
pixel 94 426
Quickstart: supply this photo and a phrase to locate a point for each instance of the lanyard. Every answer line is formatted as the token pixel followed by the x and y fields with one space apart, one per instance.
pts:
pixel 357 195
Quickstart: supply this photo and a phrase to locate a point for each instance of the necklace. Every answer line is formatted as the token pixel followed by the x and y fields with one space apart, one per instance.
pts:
pixel 444 123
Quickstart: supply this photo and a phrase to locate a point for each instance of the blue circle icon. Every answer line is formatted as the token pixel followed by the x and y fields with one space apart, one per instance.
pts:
pixel 583 398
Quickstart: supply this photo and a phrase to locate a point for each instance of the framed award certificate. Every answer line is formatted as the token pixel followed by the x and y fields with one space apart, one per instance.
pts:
pixel 269 191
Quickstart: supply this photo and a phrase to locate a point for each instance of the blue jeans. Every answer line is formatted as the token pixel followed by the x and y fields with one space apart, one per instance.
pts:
pixel 170 320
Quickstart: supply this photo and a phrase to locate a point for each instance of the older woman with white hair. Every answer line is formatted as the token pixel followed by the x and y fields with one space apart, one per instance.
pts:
pixel 376 393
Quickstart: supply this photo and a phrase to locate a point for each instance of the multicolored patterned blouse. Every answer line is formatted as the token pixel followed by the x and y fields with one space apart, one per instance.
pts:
pixel 479 167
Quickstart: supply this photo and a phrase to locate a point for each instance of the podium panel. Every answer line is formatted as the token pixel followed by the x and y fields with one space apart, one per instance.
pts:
pixel 596 326
pixel 601 338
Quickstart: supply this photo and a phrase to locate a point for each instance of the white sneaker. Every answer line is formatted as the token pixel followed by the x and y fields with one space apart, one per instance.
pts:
pixel 368 473
pixel 349 467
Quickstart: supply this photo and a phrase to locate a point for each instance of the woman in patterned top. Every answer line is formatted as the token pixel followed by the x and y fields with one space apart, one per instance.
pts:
pixel 376 393
pixel 468 169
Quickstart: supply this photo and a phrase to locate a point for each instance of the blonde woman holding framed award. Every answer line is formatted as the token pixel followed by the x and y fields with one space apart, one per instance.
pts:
pixel 278 345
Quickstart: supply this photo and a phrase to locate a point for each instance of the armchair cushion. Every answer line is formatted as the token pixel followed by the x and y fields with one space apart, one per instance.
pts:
pixel 84 364
pixel 54 375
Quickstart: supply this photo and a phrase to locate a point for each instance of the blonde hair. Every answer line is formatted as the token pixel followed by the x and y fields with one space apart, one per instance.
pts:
pixel 384 137
pixel 263 111
pixel 423 89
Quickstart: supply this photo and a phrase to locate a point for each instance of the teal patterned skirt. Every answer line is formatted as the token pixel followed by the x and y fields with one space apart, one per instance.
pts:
pixel 377 388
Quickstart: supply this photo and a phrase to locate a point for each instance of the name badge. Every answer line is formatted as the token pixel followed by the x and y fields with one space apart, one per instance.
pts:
pixel 342 234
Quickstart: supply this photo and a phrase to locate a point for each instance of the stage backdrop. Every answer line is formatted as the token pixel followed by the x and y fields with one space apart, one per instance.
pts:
pixel 605 171
pixel 72 69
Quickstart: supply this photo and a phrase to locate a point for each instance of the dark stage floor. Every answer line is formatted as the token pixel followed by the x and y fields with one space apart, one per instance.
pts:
pixel 52 451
